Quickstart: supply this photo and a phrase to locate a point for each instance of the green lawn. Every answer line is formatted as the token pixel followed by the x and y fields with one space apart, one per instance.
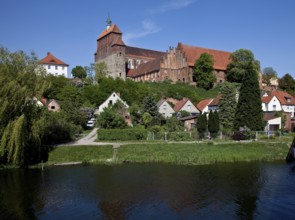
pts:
pixel 193 154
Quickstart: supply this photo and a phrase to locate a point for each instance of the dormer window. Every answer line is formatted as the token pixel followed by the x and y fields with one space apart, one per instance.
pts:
pixel 288 99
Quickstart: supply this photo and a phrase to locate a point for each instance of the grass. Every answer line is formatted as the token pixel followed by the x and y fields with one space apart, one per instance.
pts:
pixel 192 154
pixel 85 154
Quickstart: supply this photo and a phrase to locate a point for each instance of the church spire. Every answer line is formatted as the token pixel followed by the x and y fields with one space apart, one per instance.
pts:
pixel 109 22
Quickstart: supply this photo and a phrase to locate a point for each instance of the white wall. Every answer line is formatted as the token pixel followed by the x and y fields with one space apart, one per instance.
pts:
pixel 273 105
pixel 56 70
pixel 166 110
pixel 189 107
pixel 289 108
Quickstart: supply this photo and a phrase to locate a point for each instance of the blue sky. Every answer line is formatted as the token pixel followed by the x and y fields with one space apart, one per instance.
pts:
pixel 69 29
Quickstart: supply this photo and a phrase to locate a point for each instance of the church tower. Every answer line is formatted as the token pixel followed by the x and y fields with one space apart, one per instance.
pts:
pixel 111 50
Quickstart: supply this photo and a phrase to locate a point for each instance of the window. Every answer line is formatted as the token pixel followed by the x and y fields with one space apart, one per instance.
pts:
pixel 52 107
pixel 63 68
pixel 274 107
pixel 56 67
pixel 110 102
pixel 49 67
pixel 189 107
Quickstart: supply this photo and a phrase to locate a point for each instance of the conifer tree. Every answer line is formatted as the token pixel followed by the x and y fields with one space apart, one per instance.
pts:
pixel 202 125
pixel 212 124
pixel 249 112
pixel 227 106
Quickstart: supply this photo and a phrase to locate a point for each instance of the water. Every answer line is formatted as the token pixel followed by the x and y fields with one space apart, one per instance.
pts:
pixel 150 191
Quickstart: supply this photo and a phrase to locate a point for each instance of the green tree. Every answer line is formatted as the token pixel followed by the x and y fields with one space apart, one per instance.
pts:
pixel 150 106
pixel 287 83
pixel 213 126
pixel 227 106
pixel 238 67
pixel 202 125
pixel 79 72
pixel 110 119
pixel 100 70
pixel 267 74
pixel 249 112
pixel 203 71
pixel 147 119
pixel 217 121
pixel 21 79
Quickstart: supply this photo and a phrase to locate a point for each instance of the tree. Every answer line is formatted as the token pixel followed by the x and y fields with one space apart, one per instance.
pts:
pixel 79 72
pixel 21 79
pixel 287 83
pixel 238 67
pixel 202 125
pixel 203 71
pixel 249 112
pixel 110 119
pixel 267 74
pixel 100 70
pixel 150 106
pixel 227 106
pixel 213 123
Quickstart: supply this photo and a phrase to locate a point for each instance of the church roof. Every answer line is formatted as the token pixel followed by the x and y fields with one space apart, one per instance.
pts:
pixel 50 59
pixel 148 67
pixel 143 53
pixel 113 29
pixel 192 53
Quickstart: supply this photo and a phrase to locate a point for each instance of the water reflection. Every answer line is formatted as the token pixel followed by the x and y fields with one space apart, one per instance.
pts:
pixel 143 191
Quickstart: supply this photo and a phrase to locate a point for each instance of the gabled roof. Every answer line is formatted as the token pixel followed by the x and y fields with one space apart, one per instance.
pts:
pixel 148 67
pixel 283 97
pixel 50 59
pixel 202 104
pixel 143 53
pixel 192 53
pixel 266 99
pixel 113 29
pixel 180 104
pixel 215 101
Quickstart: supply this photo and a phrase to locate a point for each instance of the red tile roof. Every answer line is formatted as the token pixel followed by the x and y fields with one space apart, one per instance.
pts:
pixel 148 67
pixel 283 97
pixel 113 29
pixel 192 53
pixel 266 99
pixel 180 104
pixel 50 59
pixel 143 53
pixel 202 104
pixel 215 101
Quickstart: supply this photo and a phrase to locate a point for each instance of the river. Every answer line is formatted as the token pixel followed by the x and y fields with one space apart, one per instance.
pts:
pixel 150 191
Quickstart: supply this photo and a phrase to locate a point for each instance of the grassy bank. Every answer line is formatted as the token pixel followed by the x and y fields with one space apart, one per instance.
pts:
pixel 194 154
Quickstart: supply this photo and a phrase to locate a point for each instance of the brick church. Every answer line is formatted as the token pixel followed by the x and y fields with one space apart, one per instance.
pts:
pixel 176 64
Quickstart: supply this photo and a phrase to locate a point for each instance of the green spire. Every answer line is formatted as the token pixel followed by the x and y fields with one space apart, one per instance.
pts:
pixel 109 22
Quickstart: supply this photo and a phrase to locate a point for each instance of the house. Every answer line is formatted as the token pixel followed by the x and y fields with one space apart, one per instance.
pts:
pixel 189 122
pixel 272 121
pixel 280 101
pixel 186 105
pixel 203 105
pixel 213 106
pixel 165 108
pixel 112 99
pixel 54 66
pixel 50 104
pixel 272 85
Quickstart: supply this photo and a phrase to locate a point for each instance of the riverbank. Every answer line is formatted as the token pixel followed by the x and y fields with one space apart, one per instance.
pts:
pixel 175 153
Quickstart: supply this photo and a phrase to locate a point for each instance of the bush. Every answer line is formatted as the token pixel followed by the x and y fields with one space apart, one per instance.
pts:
pixel 121 134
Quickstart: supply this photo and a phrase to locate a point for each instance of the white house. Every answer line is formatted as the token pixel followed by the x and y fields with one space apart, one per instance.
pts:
pixel 186 105
pixel 165 108
pixel 112 99
pixel 54 65
pixel 203 105
pixel 271 103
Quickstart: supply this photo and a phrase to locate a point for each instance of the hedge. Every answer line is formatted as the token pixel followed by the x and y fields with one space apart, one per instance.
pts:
pixel 121 134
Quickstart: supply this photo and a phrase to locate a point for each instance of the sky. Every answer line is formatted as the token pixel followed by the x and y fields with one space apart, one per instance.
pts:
pixel 69 28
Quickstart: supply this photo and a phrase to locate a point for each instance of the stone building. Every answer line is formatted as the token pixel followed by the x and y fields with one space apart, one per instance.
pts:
pixel 176 64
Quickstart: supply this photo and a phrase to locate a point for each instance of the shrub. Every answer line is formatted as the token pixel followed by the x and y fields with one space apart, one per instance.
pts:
pixel 121 134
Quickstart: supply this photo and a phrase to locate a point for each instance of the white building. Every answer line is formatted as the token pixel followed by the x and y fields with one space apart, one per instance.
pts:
pixel 112 99
pixel 54 65
pixel 165 108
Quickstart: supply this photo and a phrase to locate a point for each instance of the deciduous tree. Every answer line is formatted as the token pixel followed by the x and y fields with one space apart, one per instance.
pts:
pixel 203 71
pixel 79 72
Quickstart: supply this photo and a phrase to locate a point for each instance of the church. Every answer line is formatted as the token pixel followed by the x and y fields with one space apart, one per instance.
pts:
pixel 176 64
